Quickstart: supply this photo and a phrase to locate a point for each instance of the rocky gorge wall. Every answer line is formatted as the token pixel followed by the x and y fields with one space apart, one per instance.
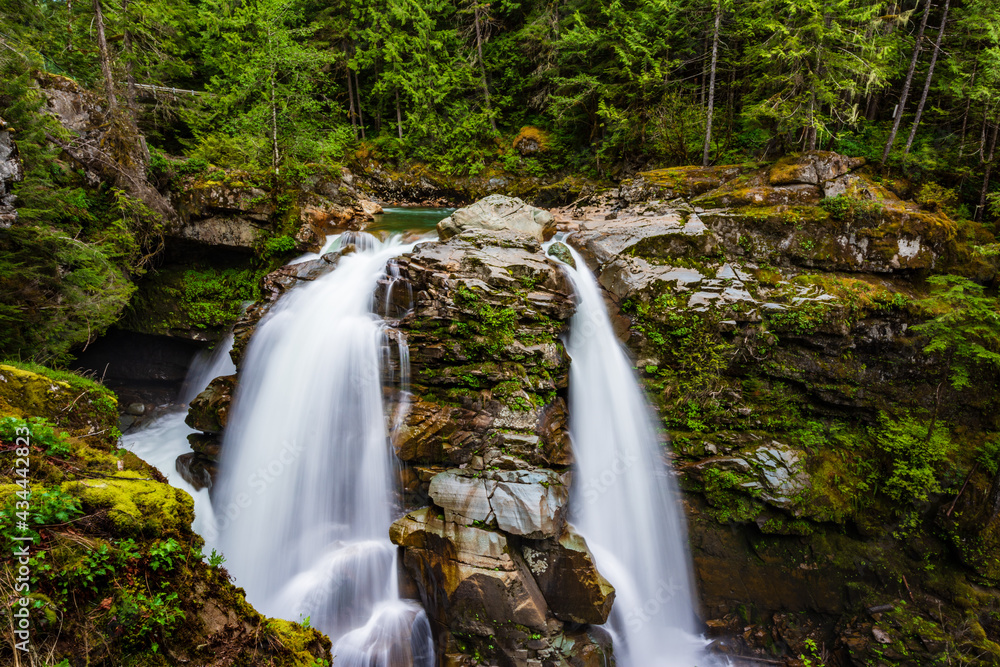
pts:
pixel 770 309
pixel 771 312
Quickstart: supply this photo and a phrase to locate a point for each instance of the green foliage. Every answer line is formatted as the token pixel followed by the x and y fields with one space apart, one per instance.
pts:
pixel 41 506
pixel 848 209
pixel 964 327
pixel 215 559
pixel 490 329
pixel 812 657
pixel 912 460
pixel 52 505
pixel 55 443
pixel 147 615
pixel 163 554
pixel 812 56
pixel 988 456
pixel 278 245
pixel 935 197
pixel 214 297
pixel 693 354
pixel 268 74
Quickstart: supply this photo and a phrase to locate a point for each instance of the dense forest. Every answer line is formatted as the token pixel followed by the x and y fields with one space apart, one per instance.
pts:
pixel 610 85
pixel 534 89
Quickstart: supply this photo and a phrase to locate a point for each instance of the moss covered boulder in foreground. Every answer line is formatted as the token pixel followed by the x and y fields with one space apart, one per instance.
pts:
pixel 117 575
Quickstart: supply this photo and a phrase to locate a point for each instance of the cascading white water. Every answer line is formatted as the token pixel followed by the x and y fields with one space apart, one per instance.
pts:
pixel 625 502
pixel 165 437
pixel 304 489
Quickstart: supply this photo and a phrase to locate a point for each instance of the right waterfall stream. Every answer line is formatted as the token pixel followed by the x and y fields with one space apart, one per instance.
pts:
pixel 625 501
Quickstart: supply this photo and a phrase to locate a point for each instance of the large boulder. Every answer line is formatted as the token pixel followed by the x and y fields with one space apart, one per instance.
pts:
pixel 209 411
pixel 565 573
pixel 469 579
pixel 812 168
pixel 499 213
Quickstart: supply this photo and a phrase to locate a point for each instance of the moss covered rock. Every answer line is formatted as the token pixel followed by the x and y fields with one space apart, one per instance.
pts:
pixel 118 576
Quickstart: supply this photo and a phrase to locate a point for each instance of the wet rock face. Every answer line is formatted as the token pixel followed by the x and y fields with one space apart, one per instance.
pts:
pixel 770 310
pixel 499 213
pixel 209 411
pixel 485 444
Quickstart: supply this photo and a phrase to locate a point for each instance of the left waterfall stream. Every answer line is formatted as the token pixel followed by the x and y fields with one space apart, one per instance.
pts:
pixel 304 494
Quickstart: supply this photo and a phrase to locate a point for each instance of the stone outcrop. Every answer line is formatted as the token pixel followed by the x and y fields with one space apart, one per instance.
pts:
pixel 107 148
pixel 531 503
pixel 481 586
pixel 770 310
pixel 11 171
pixel 499 213
pixel 564 570
pixel 486 446
pixel 209 411
pixel 230 213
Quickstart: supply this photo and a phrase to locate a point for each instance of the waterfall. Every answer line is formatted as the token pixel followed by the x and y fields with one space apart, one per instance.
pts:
pixel 625 501
pixel 161 441
pixel 305 480
pixel 205 367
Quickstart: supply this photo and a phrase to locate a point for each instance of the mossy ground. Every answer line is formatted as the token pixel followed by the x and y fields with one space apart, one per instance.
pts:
pixel 117 575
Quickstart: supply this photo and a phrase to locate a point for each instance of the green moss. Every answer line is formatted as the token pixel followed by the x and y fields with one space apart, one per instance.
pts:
pixel 490 328
pixel 300 642
pixel 180 299
pixel 135 504
pixel 62 397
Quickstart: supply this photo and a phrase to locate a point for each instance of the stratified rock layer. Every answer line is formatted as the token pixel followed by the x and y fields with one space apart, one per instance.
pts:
pixel 485 443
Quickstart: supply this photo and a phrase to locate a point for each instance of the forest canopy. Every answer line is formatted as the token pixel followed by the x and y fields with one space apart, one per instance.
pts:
pixel 614 85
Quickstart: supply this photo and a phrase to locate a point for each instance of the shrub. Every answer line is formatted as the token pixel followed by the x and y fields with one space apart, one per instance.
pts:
pixel 934 197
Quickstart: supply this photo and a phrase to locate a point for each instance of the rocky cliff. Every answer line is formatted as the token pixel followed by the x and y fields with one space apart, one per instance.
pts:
pixel 771 312
pixel 840 489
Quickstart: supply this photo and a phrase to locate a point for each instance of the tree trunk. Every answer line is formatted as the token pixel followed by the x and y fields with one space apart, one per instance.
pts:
pixel 968 106
pixel 69 25
pixel 986 176
pixel 361 117
pixel 129 74
pixel 275 156
pixel 930 75
pixel 711 84
pixel 995 495
pixel 102 46
pixel 350 93
pixel 905 93
pixel 399 116
pixel 274 127
pixel 482 66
